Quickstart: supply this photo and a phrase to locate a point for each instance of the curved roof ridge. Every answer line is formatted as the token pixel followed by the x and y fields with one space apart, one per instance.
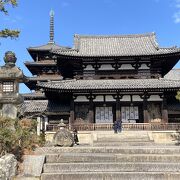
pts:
pixel 173 47
pixel 153 41
pixel 77 36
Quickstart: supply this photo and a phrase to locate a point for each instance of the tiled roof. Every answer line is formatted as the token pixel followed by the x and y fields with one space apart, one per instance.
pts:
pixel 33 106
pixel 33 95
pixel 40 106
pixel 44 78
pixel 173 74
pixel 122 45
pixel 120 84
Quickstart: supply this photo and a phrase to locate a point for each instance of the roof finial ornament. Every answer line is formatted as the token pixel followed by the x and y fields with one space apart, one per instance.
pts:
pixel 51 26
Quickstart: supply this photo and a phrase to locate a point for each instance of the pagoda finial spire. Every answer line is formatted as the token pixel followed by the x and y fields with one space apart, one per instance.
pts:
pixel 51 40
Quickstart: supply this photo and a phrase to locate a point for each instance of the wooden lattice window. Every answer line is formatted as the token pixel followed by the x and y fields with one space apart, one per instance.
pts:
pixel 8 87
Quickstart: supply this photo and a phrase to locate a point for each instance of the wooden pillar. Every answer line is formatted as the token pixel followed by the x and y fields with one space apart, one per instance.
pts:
pixel 72 116
pixel 145 111
pixel 164 111
pixel 118 110
pixel 91 110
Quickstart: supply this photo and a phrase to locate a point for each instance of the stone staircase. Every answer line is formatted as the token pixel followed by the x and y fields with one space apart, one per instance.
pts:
pixel 126 156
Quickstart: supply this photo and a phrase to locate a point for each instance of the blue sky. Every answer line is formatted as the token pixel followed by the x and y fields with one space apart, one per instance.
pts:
pixel 88 17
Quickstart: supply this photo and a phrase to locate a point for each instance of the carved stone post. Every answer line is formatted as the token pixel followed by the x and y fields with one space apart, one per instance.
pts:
pixel 45 122
pixel 38 126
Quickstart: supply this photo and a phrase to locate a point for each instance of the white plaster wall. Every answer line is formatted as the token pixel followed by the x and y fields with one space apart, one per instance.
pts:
pixel 81 99
pixel 136 98
pixel 144 66
pixel 99 99
pixel 109 98
pixel 126 66
pixel 154 98
pixel 126 98
pixel 106 67
pixel 89 68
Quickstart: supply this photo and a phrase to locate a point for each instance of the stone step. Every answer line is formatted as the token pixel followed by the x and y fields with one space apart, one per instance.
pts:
pixel 122 133
pixel 80 157
pixel 103 157
pixel 117 150
pixel 123 140
pixel 26 178
pixel 101 144
pixel 112 167
pixel 111 176
pixel 166 158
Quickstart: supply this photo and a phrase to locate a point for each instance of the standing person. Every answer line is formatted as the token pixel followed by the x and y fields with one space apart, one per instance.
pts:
pixel 76 140
pixel 115 127
pixel 119 126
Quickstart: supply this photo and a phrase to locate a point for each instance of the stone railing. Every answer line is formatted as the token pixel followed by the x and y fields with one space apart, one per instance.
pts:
pixel 125 126
pixel 8 167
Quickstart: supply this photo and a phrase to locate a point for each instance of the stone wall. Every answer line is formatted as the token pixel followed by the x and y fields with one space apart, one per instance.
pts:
pixel 8 167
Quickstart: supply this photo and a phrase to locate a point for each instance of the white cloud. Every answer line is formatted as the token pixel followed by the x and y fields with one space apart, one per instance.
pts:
pixel 177 4
pixel 177 17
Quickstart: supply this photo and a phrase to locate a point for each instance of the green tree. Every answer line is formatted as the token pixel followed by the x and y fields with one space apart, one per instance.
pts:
pixel 5 33
pixel 178 95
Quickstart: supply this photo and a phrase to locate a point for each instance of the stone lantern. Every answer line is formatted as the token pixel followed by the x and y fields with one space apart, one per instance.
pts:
pixel 63 137
pixel 10 77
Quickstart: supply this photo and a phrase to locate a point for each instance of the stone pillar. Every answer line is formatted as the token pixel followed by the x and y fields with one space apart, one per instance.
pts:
pixel 45 123
pixel 38 126
pixel 91 110
pixel 145 111
pixel 164 111
pixel 118 110
pixel 72 114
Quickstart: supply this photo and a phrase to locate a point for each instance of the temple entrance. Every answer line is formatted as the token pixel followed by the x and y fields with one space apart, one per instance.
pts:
pixel 104 115
pixel 129 114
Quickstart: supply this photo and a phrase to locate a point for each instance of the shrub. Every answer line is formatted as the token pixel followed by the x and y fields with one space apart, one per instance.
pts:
pixel 16 136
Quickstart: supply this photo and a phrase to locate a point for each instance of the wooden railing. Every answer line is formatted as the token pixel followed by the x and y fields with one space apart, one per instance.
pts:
pixel 125 126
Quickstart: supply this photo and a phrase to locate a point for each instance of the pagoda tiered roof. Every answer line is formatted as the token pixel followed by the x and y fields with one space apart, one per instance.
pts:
pixel 47 47
pixel 117 45
pixel 40 63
